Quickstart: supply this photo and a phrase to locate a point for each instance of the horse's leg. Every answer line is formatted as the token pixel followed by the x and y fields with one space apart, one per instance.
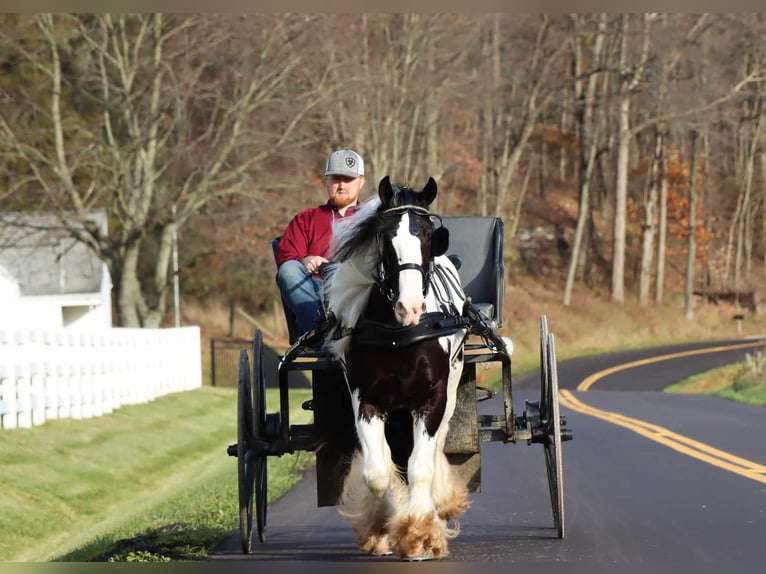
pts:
pixel 367 514
pixel 435 495
pixel 450 494
pixel 417 531
pixel 372 487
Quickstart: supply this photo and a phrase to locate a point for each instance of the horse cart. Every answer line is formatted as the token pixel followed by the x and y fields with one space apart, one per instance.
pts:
pixel 476 249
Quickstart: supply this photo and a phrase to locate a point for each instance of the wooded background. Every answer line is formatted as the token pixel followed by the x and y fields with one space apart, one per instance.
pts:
pixel 603 140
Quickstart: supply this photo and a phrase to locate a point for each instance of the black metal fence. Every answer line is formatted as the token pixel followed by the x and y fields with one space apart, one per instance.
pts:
pixel 224 360
pixel 224 363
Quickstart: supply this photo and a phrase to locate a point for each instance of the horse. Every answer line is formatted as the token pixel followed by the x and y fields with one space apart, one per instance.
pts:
pixel 399 334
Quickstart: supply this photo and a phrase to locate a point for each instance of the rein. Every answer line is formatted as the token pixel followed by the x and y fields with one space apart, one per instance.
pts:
pixel 421 210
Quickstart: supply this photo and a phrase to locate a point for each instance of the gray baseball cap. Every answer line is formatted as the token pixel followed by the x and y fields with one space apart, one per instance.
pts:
pixel 345 162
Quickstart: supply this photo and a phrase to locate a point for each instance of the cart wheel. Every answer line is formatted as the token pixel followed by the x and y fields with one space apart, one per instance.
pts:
pixel 259 434
pixel 245 467
pixel 543 359
pixel 551 420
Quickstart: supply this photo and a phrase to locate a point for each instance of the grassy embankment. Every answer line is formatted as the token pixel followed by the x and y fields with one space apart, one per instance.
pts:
pixel 155 475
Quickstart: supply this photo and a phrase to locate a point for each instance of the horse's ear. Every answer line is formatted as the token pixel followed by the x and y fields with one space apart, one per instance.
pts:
pixel 429 191
pixel 385 191
pixel 439 241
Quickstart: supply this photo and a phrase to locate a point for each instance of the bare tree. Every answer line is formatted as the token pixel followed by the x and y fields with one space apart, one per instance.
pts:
pixel 398 77
pixel 748 145
pixel 692 239
pixel 631 75
pixel 524 98
pixel 589 140
pixel 650 222
pixel 694 103
pixel 227 118
pixel 167 113
pixel 657 224
pixel 662 224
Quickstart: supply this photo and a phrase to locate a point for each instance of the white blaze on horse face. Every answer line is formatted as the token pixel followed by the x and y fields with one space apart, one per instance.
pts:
pixel 410 304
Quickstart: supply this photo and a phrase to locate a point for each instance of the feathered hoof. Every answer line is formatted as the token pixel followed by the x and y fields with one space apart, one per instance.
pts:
pixel 455 506
pixel 421 558
pixel 420 538
pixel 376 545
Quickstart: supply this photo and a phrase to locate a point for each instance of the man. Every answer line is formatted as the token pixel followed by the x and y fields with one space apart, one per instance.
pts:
pixel 304 247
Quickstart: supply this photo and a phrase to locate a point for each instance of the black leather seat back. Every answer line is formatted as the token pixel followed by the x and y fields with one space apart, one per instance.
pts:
pixel 478 242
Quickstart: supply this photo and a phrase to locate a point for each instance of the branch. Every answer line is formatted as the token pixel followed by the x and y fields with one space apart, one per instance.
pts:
pixel 754 77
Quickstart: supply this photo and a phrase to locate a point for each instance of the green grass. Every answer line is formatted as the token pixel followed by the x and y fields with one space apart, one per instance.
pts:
pixel 731 382
pixel 155 474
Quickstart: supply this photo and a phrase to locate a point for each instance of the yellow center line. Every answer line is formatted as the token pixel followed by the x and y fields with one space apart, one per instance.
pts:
pixel 680 443
pixel 588 382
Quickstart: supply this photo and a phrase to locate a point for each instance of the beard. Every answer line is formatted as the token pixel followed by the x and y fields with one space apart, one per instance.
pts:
pixel 340 202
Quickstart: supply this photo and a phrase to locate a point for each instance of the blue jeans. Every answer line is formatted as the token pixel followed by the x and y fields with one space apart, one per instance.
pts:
pixel 302 294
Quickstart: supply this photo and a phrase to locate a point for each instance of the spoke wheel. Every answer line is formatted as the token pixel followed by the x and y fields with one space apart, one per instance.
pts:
pixel 259 435
pixel 543 361
pixel 245 467
pixel 551 420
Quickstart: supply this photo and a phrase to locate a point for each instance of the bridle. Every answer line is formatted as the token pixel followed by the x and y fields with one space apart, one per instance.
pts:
pixel 385 282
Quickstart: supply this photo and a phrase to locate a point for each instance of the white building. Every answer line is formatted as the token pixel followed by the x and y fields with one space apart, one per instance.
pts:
pixel 47 279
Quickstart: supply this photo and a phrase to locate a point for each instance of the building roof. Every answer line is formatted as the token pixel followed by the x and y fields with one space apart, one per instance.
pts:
pixel 44 259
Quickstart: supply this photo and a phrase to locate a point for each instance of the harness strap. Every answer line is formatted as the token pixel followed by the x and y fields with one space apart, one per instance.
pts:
pixel 384 281
pixel 408 207
pixel 442 281
pixel 415 266
pixel 481 325
pixel 432 325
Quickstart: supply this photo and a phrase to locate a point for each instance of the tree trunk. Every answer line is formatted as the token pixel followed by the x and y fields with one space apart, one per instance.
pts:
pixel 631 79
pixel 621 202
pixel 745 215
pixel 692 255
pixel 747 147
pixel 663 229
pixel 650 226
pixel 588 148
pixel 763 211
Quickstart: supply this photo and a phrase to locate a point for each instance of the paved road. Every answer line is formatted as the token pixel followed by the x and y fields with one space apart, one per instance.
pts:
pixel 649 478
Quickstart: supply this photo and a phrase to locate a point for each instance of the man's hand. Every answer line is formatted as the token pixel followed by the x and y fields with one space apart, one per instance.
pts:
pixel 312 262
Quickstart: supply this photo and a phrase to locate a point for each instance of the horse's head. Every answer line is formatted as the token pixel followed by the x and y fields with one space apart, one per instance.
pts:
pixel 408 243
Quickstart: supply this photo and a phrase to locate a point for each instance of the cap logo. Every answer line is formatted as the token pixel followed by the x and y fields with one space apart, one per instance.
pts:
pixel 350 162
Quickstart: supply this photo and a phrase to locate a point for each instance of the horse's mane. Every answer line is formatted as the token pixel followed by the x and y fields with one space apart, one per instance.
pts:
pixel 348 287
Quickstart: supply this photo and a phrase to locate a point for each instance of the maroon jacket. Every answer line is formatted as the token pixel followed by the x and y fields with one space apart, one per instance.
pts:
pixel 309 233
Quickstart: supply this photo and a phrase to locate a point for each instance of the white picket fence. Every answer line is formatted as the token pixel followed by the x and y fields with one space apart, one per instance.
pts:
pixel 78 374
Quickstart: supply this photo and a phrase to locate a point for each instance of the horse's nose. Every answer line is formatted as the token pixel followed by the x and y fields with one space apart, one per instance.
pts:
pixel 409 314
pixel 410 303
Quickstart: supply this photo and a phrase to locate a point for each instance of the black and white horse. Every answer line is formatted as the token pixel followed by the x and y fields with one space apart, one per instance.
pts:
pixel 398 302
